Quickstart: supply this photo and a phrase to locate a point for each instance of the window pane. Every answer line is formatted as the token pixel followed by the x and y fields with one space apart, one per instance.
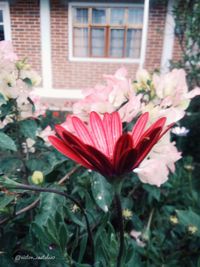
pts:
pixel 1 16
pixel 81 15
pixel 98 15
pixel 2 37
pixel 133 43
pixel 117 16
pixel 80 42
pixel 135 15
pixel 116 43
pixel 98 42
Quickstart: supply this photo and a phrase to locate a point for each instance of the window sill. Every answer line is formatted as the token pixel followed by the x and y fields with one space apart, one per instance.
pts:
pixel 104 60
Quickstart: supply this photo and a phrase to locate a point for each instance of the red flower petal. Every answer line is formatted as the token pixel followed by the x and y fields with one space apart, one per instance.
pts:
pixel 146 144
pixel 139 127
pixel 159 123
pixel 116 126
pixel 68 151
pixel 107 122
pixel 98 133
pixel 126 161
pixel 123 143
pixel 82 131
pixel 98 160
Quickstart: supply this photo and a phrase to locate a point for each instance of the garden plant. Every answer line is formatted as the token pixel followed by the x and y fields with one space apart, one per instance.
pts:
pixel 105 187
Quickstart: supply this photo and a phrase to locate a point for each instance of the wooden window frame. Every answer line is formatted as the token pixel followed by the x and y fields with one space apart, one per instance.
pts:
pixel 107 26
pixel 143 26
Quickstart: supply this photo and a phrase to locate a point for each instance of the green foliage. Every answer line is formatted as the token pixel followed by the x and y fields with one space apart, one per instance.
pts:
pixel 187 28
pixel 6 142
pixel 28 128
pixel 102 191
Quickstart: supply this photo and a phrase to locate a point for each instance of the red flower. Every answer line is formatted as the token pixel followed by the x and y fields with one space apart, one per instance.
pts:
pixel 103 147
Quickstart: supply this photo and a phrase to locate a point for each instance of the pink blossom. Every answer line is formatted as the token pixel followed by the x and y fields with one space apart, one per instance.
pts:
pixel 137 235
pixel 6 49
pixel 193 93
pixel 45 133
pixel 167 152
pixel 172 89
pixel 153 172
pixel 131 109
pixel 142 76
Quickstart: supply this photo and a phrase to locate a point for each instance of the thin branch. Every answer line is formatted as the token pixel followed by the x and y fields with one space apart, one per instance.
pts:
pixel 36 202
pixel 66 177
pixel 55 191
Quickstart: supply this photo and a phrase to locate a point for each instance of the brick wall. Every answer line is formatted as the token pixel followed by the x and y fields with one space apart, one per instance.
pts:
pixel 25 23
pixel 155 38
pixel 177 53
pixel 77 75
pixel 25 27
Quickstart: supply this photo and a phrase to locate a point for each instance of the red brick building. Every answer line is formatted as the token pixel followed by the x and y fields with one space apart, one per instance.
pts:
pixel 72 44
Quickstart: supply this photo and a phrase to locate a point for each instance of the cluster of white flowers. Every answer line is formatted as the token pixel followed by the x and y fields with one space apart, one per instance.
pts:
pixel 17 80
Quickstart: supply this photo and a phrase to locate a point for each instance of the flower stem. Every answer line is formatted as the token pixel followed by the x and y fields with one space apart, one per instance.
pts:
pixel 55 191
pixel 121 229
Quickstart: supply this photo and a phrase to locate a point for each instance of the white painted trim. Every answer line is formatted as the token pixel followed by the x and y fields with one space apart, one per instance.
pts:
pixel 168 43
pixel 106 60
pixel 4 6
pixel 144 33
pixel 63 94
pixel 45 31
pixel 93 4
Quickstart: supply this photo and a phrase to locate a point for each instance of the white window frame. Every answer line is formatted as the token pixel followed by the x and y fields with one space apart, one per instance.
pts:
pixel 139 61
pixel 4 6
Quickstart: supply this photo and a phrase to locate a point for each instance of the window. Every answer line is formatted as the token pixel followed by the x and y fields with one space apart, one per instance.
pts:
pixel 5 32
pixel 106 32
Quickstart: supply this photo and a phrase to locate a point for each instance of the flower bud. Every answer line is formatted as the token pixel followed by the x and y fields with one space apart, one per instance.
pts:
pixel 173 219
pixel 192 229
pixel 37 177
pixel 127 214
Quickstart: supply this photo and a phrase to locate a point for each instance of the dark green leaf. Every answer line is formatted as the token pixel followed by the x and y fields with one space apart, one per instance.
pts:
pixel 6 142
pixel 102 191
pixel 28 128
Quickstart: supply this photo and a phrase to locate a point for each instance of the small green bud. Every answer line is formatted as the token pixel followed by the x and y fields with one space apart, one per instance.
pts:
pixel 192 229
pixel 37 177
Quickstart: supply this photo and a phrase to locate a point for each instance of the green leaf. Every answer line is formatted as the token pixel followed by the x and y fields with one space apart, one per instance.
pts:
pixel 83 245
pixel 6 142
pixel 8 183
pixel 10 165
pixel 102 191
pixel 50 203
pixel 5 200
pixel 189 218
pixel 153 192
pixel 28 128
pixel 63 235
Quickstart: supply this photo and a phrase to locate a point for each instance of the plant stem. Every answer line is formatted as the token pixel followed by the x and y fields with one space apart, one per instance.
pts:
pixel 55 191
pixel 121 229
